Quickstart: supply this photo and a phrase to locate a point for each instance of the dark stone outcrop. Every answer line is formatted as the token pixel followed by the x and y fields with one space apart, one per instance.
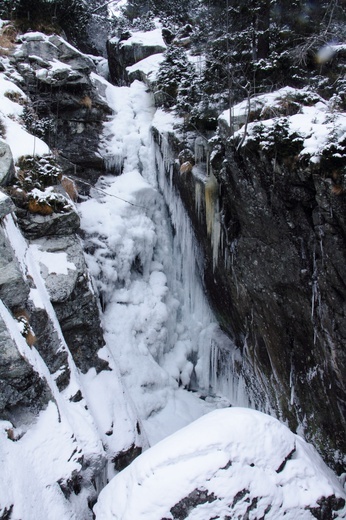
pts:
pixel 74 302
pixel 20 385
pixel 124 458
pixel 70 111
pixel 57 224
pixel 276 282
pixel 182 509
pixel 122 53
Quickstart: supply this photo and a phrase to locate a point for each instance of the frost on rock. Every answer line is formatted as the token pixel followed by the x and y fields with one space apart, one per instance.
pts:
pixel 231 463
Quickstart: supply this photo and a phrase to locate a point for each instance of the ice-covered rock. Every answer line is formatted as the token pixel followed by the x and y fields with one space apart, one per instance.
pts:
pixel 231 463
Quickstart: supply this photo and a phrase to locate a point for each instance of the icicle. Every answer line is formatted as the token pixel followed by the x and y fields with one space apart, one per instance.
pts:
pixel 214 228
pixel 200 155
pixel 217 360
pixel 211 198
pixel 198 198
pixel 114 163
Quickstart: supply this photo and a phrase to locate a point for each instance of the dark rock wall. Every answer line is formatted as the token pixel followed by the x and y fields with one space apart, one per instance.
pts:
pixel 287 234
pixel 276 283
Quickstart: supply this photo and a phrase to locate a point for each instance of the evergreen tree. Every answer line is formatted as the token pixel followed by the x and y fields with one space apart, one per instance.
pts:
pixel 174 75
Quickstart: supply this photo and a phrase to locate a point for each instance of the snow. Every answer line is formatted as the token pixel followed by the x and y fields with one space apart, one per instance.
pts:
pixel 155 315
pixel 199 457
pixel 165 122
pixel 317 125
pixel 161 339
pixel 149 66
pixel 66 432
pixel 20 141
pixel 54 262
pixel 258 103
pixel 149 39
pixel 115 8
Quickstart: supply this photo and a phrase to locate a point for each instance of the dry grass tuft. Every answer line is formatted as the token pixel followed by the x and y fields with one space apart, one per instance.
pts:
pixel 22 316
pixel 40 207
pixel 70 187
pixel 8 36
pixel 337 189
pixel 186 167
pixel 86 102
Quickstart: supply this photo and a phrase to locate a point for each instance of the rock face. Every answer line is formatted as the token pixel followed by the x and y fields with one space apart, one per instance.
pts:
pixel 231 463
pixel 11 276
pixel 273 242
pixel 6 164
pixel 20 385
pixel 130 49
pixel 74 301
pixel 58 80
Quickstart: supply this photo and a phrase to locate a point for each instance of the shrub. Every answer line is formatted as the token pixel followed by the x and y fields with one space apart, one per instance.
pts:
pixel 38 172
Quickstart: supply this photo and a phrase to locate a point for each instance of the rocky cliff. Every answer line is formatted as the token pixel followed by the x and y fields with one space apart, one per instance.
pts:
pixel 269 226
pixel 268 210
pixel 52 378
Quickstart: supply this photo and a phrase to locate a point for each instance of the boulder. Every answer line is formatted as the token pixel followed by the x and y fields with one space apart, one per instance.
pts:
pixel 6 164
pixel 230 463
pixel 69 54
pixel 69 263
pixel 146 70
pixel 36 226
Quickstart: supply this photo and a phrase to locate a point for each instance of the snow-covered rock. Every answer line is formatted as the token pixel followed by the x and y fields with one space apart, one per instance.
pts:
pixel 6 205
pixel 231 463
pixel 126 52
pixel 55 61
pixel 11 275
pixel 6 164
pixel 146 70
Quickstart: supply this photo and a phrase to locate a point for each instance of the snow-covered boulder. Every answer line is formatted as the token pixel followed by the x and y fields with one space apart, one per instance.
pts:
pixel 54 61
pixel 231 463
pixel 146 70
pixel 58 258
pixel 126 52
pixel 6 164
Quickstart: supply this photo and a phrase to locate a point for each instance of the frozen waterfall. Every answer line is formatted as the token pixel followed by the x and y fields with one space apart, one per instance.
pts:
pixel 143 257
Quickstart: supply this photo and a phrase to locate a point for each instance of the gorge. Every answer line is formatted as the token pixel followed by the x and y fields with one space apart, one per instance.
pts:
pixel 152 273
